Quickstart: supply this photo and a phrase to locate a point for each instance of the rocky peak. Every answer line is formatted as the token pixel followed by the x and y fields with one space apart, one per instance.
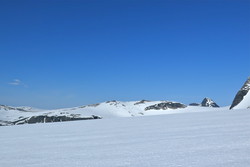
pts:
pixel 241 94
pixel 207 102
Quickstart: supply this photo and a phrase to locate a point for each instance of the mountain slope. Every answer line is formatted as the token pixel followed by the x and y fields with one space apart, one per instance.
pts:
pixel 242 98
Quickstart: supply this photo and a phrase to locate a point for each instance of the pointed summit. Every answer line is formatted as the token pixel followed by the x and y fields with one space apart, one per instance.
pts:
pixel 242 98
pixel 207 102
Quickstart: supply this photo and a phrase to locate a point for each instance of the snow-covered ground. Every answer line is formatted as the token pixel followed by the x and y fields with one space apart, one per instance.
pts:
pixel 199 139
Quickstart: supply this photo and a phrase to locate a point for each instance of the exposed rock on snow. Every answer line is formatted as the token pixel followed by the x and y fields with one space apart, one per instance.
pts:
pixel 165 106
pixel 112 101
pixel 28 115
pixel 19 109
pixel 207 102
pixel 141 102
pixel 93 105
pixel 194 104
pixel 242 98
pixel 46 119
pixel 25 109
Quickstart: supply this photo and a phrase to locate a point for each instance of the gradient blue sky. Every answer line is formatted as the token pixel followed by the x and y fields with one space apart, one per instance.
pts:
pixel 57 53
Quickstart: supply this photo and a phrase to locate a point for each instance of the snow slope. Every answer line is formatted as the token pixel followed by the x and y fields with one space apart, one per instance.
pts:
pixel 245 103
pixel 242 98
pixel 193 139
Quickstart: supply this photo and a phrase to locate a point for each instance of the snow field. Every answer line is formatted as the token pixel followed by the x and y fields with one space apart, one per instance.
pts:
pixel 197 139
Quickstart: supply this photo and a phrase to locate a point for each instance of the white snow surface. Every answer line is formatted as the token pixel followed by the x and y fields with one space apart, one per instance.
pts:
pixel 189 139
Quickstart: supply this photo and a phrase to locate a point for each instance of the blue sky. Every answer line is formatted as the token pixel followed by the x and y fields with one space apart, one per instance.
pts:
pixel 57 53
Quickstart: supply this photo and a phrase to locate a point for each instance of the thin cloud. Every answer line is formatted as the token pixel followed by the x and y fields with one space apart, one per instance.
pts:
pixel 17 82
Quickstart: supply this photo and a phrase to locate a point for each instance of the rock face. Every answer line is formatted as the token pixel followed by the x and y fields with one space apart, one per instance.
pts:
pixel 46 119
pixel 241 96
pixel 165 106
pixel 194 104
pixel 141 102
pixel 207 102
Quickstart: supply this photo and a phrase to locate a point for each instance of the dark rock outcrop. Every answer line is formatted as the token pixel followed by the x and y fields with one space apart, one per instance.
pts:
pixel 93 105
pixel 207 102
pixel 165 106
pixel 5 123
pixel 141 102
pixel 112 101
pixel 46 119
pixel 241 93
pixel 194 104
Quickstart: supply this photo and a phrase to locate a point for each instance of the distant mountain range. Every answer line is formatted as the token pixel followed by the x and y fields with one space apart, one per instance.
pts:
pixel 27 115
pixel 22 115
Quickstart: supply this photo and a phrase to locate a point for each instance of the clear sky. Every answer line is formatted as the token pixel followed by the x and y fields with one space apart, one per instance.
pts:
pixel 57 53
